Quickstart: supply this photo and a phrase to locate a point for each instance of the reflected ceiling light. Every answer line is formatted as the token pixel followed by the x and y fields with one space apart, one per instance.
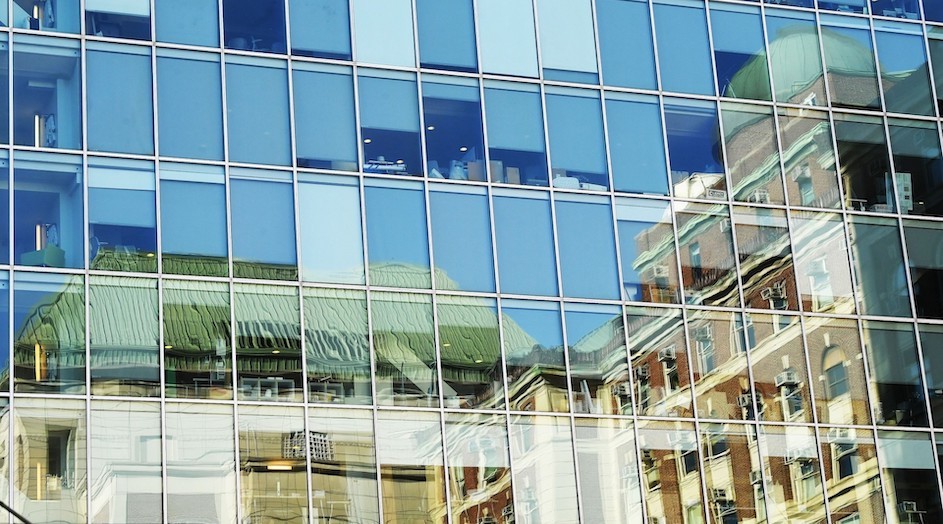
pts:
pixel 446 345
pixel 168 346
pixel 278 467
pixel 478 361
pixel 431 128
pixel 463 149
pixel 400 161
pixel 275 352
pixel 367 140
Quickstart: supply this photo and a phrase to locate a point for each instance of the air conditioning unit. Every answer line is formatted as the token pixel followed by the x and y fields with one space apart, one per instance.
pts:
pixel 725 224
pixel 907 506
pixel 703 333
pixel 777 290
pixel 796 454
pixel 759 196
pixel 668 353
pixel 837 435
pixel 660 271
pixel 745 400
pixel 787 378
pixel 643 371
pixel 507 511
pixel 716 194
pixel 756 477
pixel 800 172
pixel 718 494
pixel 647 455
pixel 623 389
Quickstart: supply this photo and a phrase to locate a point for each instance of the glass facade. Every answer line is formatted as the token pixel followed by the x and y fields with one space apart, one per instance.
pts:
pixel 471 261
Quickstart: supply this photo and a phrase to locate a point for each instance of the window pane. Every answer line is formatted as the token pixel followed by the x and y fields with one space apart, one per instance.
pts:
pixel 792 35
pixel 4 332
pixel 846 6
pixel 452 114
pixel 48 211
pixel 730 456
pixel 865 168
pixel 405 349
pixel 125 19
pixel 268 342
pixel 935 41
pixel 470 349
pixel 257 108
pixel 809 158
pixel 384 32
pixel 766 262
pixel 567 44
pixel 272 450
pixel 750 137
pixel 337 346
pixel 189 103
pixel 263 228
pixel 901 50
pixel 515 134
pixel 605 450
pixel 5 92
pixel 849 60
pixel 897 8
pixel 461 240
pixel 331 236
pixel 697 159
pixel 201 465
pixel 911 480
pixel 931 338
pixel 587 240
pixel 396 234
pixel 61 16
pixel 197 340
pixel 683 48
pixel 526 260
pixel 325 131
pixel 536 366
pixel 544 477
pixel 852 478
pixel 918 173
pixel 507 37
pixel 896 381
pixel 599 377
pixel 577 144
pixel 822 267
pixel 878 260
pixel 193 195
pixel 707 256
pixel 924 241
pixel 780 374
pixel 625 41
pixel 660 362
pixel 5 207
pixel 721 370
pixel 122 221
pixel 320 28
pixel 412 472
pixel 120 105
pixel 452 48
pixel 255 25
pixel 670 466
pixel 835 356
pixel 648 251
pixel 636 145
pixel 479 467
pixel 194 22
pixel 121 434
pixel 389 123
pixel 47 84
pixel 793 480
pixel 739 52
pixel 124 336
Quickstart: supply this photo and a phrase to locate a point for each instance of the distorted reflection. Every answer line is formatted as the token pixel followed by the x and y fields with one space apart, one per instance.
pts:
pixel 837 369
pixel 852 479
pixel 470 349
pixel 671 483
pixel 605 450
pixel 479 469
pixel 660 363
pixel 822 266
pixel 599 377
pixel 533 345
pixel 729 452
pixel 544 474
pixel 808 158
pixel 721 376
pixel 780 374
pixel 337 346
pixel 412 473
pixel 708 267
pixel 766 263
pixel 791 470
pixel 404 343
pixel 750 138
pixel 268 342
pixel 648 251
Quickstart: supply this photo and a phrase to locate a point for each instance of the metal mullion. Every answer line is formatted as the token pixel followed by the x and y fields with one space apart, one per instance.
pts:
pixel 710 43
pixel 602 105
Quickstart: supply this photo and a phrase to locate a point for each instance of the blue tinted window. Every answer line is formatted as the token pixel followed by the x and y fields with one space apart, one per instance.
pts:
pixel 933 10
pixel 697 161
pixel 255 25
pixel 193 219
pixel 567 42
pixel 846 6
pixel 189 105
pixel 122 218
pixel 320 28
pixel 897 8
pixel 577 146
pixel 331 237
pixel 60 16
pixel 193 22
pixel 636 144
pixel 389 123
pixel 397 241
pixel 4 207
pixel 120 108
pixel 124 19
pixel 384 32
pixel 263 225
pixel 683 51
pixel 793 34
pixel 5 328
pixel 902 58
pixel 5 90
pixel 515 134
pixel 647 250
pixel 526 259
pixel 461 240
pixel 625 43
pixel 455 148
pixel 45 69
pixel 587 247
pixel 325 130
pixel 257 106
pixel 740 52
pixel 849 61
pixel 507 37
pixel 447 34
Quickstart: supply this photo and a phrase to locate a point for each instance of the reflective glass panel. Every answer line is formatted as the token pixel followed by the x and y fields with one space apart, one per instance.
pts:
pixel 793 479
pixel 396 234
pixel 766 262
pixel 739 52
pixel 447 34
pixel 122 220
pixel 794 56
pixel 837 366
pixel 585 239
pixel 124 336
pixel 599 370
pixel 683 48
pixel 567 43
pixel 533 347
pixel 189 105
pixel 192 195
pixel 412 472
pixel 912 484
pixel 808 158
pixel 669 471
pixel 845 6
pixel 119 93
pixel 461 239
pixel 605 452
pixel 720 366
pixel 124 19
pixel 730 452
pixel 194 22
pixel 865 168
pixel 470 349
pixel 255 25
pixel 544 475
pixel 331 235
pixel 60 16
pixel 822 268
pixel 660 363
pixel 389 122
pixel 852 477
pixel 272 450
pixel 753 153
pixel 931 341
pixel 48 333
pixel 897 8
pixel 263 225
pixel 257 108
pixel 636 146
pixel 524 240
pixel 384 32
pixel 708 268
pixel 902 59
pixel 515 134
pixel 5 91
pixel 452 114
pixel 778 361
pixel 479 467
pixel 337 346
pixel 918 171
pixel 878 261
pixel 695 150
pixel 896 381
pixel 849 61
pixel 507 37
pixel 404 345
pixel 4 333
pixel 935 42
pixel 47 84
pixel 268 342
pixel 933 10
pixel 320 28
pixel 197 340
pixel 925 256
pixel 648 251
pixel 5 207
pixel 577 144
pixel 325 131
pixel 625 43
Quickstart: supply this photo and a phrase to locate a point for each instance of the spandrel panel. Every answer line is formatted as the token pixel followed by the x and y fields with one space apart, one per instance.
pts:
pixel 122 219
pixel 636 146
pixel 272 451
pixel 516 144
pixel 781 384
pixel 931 342
pixel 823 274
pixel 865 167
pixel 455 146
pixel 918 170
pixel 325 127
pixel 809 158
pixel 124 336
pixel 479 467
pixel 125 435
pixel 189 105
pixel 902 60
pixel 567 43
pixel 671 484
pixel 337 346
pixel 648 251
pixel 524 240
pixel 412 472
pixel 849 62
pixel 201 466
pixel 608 471
pixel 320 28
pixel 263 226
pixel 329 216
pixel 127 19
pixel 470 351
pixel 404 345
pixel 837 368
pixel 793 480
pixel 268 343
pixel 732 472
pixel 191 194
pixel 383 32
pixel 625 43
pixel 48 333
pixel 461 239
pixel 193 22
pixel 343 465
pixel 740 52
pixel 753 153
pixel 544 473
pixel 389 122
pixel 577 143
pixel 720 365
pixel 911 481
pixel 586 239
pixel 596 350
pixel 197 340
pixel 47 87
pixel 878 262
pixel 695 149
pixel 926 267
pixel 57 16
pixel 119 99
pixel 50 459
pixel 257 110
pixel 533 347
pixel 794 56
pixel 766 261
pixel 708 267
pixel 254 25
pixel 897 385
pixel 507 37
pixel 397 238
pixel 447 34
pixel 683 47
pixel 660 364
pixel 852 476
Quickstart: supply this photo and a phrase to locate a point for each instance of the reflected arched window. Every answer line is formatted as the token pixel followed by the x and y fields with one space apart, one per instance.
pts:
pixel 836 377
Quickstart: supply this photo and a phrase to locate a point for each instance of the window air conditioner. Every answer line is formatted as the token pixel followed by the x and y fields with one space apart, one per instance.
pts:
pixel 759 196
pixel 668 353
pixel 787 378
